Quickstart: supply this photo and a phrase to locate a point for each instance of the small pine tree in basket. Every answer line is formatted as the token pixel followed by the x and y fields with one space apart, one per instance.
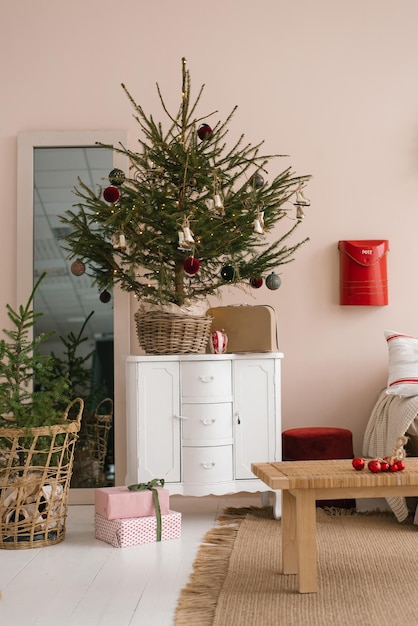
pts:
pixel 37 441
pixel 30 390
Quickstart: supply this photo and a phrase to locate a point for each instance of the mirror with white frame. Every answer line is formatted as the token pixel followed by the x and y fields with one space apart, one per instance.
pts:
pixel 49 164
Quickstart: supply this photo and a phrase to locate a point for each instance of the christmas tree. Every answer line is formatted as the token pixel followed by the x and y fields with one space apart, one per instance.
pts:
pixel 191 215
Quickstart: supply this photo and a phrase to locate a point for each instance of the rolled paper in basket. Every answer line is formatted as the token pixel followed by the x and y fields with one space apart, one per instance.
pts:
pixel 151 485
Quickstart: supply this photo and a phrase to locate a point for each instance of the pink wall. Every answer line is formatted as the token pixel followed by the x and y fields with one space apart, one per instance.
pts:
pixel 333 84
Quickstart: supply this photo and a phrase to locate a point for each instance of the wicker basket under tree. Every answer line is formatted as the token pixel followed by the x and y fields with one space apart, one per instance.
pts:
pixel 92 448
pixel 190 216
pixel 38 431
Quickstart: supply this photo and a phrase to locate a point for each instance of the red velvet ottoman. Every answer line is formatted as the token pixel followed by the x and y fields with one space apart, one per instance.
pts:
pixel 316 443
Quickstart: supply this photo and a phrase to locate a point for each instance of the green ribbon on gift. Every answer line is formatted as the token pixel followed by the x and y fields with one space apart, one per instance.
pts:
pixel 152 486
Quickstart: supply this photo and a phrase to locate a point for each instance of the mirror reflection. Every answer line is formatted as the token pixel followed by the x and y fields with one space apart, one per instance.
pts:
pixel 83 343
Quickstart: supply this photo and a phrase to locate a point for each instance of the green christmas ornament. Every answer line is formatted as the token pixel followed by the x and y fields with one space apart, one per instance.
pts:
pixel 273 281
pixel 228 273
pixel 116 177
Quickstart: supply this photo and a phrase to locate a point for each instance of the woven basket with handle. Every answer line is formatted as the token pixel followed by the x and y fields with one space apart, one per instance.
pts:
pixel 35 472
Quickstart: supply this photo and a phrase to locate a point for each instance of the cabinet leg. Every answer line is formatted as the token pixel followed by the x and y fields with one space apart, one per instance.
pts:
pixel 265 498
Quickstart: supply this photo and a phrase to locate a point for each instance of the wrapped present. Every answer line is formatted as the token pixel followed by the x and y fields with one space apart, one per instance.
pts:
pixel 124 533
pixel 123 502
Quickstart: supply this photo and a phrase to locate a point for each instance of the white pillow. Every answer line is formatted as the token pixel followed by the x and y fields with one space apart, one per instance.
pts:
pixel 403 364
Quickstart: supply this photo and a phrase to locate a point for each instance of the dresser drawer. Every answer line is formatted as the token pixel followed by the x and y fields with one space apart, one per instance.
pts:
pixel 207 465
pixel 206 379
pixel 206 422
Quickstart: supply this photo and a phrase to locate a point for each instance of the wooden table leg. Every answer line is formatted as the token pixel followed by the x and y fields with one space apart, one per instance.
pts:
pixel 306 540
pixel 289 539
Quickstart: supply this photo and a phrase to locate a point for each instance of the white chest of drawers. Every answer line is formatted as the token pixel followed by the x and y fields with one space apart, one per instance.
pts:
pixel 199 421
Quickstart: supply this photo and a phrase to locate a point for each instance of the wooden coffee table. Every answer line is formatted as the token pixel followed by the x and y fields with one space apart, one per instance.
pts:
pixel 303 482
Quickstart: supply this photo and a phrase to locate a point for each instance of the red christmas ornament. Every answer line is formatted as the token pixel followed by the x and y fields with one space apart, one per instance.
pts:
pixel 384 466
pixel 78 268
pixel 105 297
pixel 111 194
pixel 191 265
pixel 204 131
pixel 401 465
pixel 358 463
pixel 256 282
pixel 374 466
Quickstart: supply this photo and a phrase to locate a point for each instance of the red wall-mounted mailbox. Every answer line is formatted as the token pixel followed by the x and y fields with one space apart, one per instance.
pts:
pixel 363 272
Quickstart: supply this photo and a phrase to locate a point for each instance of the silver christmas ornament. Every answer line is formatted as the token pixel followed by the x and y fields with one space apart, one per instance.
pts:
pixel 273 281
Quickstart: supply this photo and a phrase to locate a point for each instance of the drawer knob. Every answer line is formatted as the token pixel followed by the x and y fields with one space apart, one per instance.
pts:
pixel 208 465
pixel 206 379
pixel 207 421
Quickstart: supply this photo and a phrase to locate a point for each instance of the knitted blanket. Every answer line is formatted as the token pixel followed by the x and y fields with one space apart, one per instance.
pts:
pixel 390 418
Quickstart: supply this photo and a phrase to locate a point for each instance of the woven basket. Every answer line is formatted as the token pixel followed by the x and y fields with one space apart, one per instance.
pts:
pixel 91 449
pixel 165 333
pixel 35 473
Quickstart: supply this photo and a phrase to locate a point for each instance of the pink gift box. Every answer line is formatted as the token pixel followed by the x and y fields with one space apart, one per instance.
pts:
pixel 121 503
pixel 124 533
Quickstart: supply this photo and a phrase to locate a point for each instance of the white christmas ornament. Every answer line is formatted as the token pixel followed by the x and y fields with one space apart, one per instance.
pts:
pixel 218 342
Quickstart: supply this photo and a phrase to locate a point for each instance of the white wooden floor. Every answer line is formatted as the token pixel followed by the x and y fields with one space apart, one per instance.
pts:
pixel 86 582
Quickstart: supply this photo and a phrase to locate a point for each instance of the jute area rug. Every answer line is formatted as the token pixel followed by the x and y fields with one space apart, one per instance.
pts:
pixel 367 573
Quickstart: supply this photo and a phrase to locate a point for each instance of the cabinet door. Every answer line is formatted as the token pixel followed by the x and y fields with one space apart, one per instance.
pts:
pixel 256 413
pixel 158 425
